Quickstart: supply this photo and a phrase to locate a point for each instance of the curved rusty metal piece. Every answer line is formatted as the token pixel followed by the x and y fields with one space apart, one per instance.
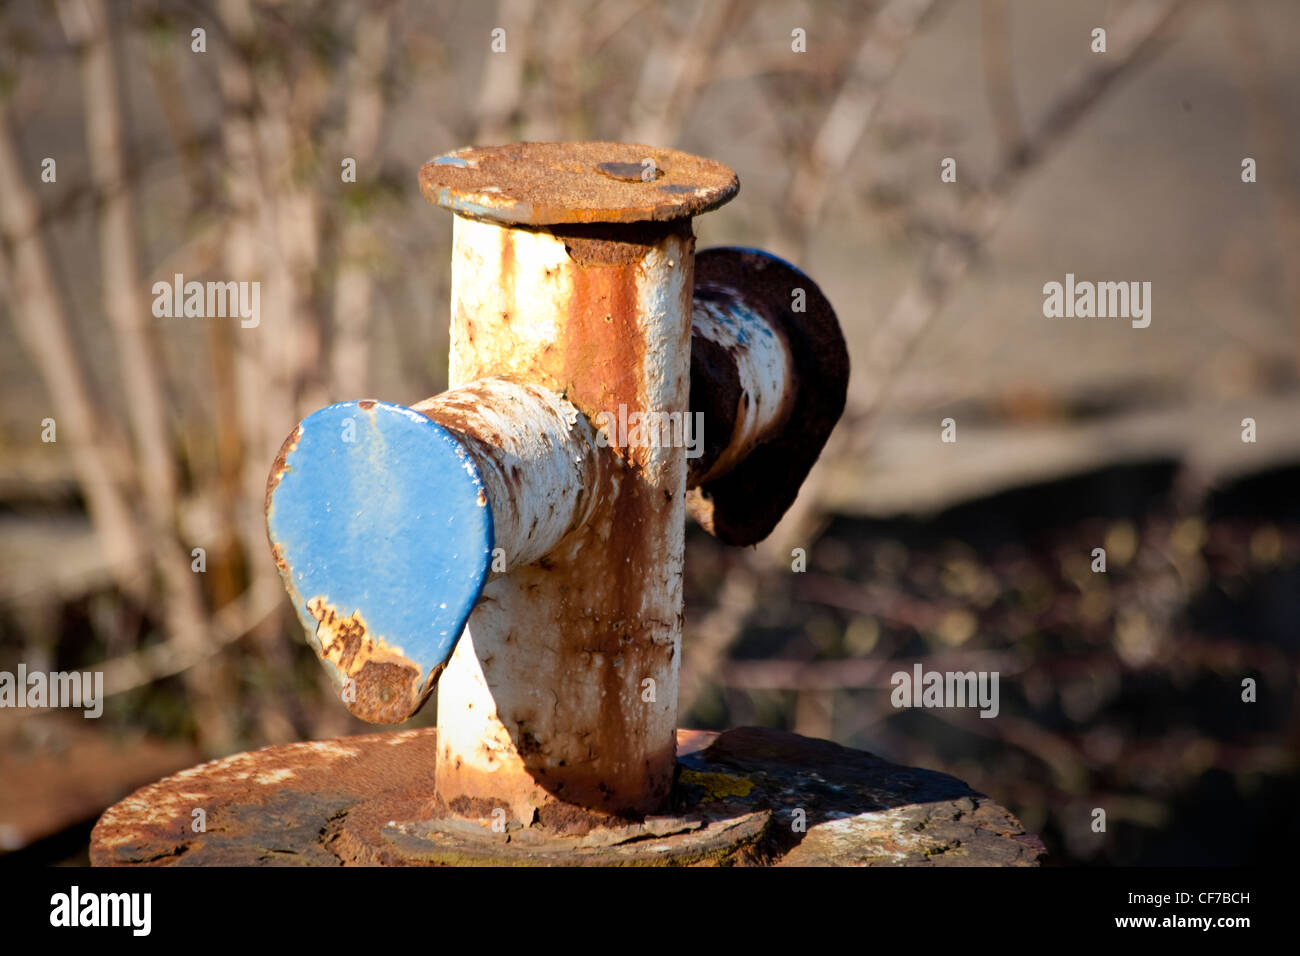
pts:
pixel 775 419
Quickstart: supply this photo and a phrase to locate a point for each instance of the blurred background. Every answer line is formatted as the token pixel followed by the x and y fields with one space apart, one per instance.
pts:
pixel 1119 690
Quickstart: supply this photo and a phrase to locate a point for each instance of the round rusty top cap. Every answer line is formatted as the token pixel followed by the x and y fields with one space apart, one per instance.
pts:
pixel 543 184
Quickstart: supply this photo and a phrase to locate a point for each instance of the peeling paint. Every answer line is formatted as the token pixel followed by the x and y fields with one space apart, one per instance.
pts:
pixel 388 684
pixel 373 509
pixel 532 306
pixel 574 293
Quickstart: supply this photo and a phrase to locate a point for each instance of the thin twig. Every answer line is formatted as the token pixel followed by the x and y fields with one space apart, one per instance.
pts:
pixel 1267 124
pixel 229 624
pixel 707 640
pixel 364 111
pixel 849 115
pixel 999 76
pixel 163 69
pixel 856 673
pixel 503 72
pixel 40 316
pixel 673 74
pixel 87 26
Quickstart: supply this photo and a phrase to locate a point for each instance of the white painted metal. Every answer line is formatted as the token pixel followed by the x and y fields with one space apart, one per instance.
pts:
pixel 536 454
pixel 564 685
pixel 765 368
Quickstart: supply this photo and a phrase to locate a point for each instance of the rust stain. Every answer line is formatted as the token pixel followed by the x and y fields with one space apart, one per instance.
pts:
pixel 387 683
pixel 715 391
pixel 462 415
pixel 603 356
pixel 604 600
pixel 277 555
pixel 278 469
pixel 547 183
pixel 602 361
pixel 610 244
pixel 508 267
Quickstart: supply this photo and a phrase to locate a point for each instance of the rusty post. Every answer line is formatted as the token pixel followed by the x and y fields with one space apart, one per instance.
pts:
pixel 518 541
pixel 571 270
pixel 539 505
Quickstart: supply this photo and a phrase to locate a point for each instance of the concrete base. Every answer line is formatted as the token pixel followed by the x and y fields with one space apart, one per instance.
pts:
pixel 745 797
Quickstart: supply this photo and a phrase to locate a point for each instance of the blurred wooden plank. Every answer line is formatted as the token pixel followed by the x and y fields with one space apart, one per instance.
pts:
pixel 58 771
pixel 908 470
pixel 48 558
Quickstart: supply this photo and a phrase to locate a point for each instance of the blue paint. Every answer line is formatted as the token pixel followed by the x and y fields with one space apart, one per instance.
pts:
pixel 451 160
pixel 762 254
pixel 735 315
pixel 394 524
pixel 745 319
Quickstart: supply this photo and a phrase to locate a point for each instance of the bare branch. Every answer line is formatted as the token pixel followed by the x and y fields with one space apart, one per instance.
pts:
pixel 1137 37
pixel 85 22
pixel 232 622
pixel 1267 123
pixel 707 642
pixel 352 290
pixel 41 318
pixel 503 73
pixel 850 113
pixel 87 26
pixel 999 77
pixel 674 73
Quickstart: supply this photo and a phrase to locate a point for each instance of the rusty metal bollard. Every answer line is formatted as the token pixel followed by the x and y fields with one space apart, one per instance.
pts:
pixel 602 379
pixel 518 542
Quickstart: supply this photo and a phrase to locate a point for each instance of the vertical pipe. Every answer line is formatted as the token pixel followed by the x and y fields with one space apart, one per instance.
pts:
pixel 563 688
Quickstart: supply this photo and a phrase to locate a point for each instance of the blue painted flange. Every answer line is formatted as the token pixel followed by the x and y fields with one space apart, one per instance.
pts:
pixel 377 514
